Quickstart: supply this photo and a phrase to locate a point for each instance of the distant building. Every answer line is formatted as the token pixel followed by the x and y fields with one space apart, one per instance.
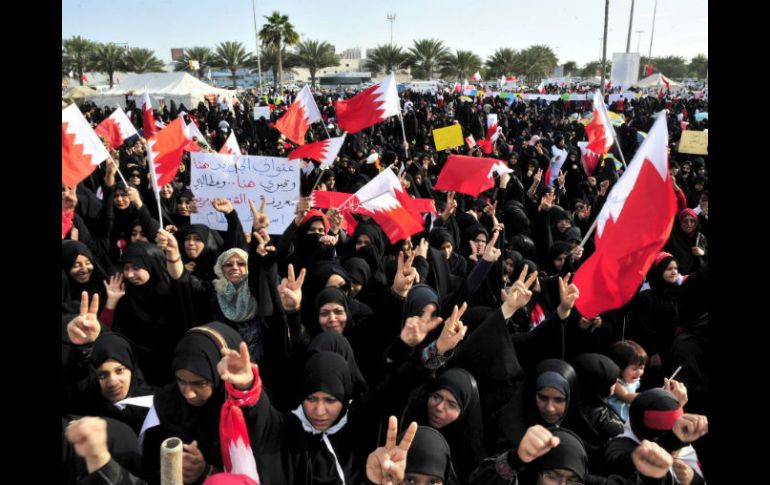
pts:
pixel 354 53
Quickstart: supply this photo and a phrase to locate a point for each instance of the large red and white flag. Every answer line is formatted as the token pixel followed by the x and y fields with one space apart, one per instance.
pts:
pixel 324 151
pixel 588 158
pixel 116 128
pixel 148 119
pixel 468 175
pixel 631 229
pixel 302 113
pixel 599 130
pixel 164 152
pixel 476 77
pixel 231 146
pixel 194 135
pixel 81 149
pixel 369 107
pixel 541 88
pixel 382 199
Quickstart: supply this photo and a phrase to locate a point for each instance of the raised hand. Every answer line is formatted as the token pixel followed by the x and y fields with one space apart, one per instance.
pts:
pixel 519 293
pixel 690 427
pixel 417 328
pixel 538 176
pixel 134 197
pixel 676 388
pixel 303 205
pixel 561 178
pixel 546 202
pixel 422 248
pixel 69 199
pixel 335 220
pixel 235 367
pixel 193 463
pixel 167 243
pixel 262 242
pixel 537 441
pixel 259 217
pixel 222 204
pixel 290 290
pixel 329 240
pixel 684 474
pixel 473 256
pixel 651 460
pixel 568 294
pixel 453 331
pixel 89 438
pixel 387 464
pixel 406 275
pixel 116 289
pixel 451 206
pixel 85 328
pixel 491 253
pixel 74 234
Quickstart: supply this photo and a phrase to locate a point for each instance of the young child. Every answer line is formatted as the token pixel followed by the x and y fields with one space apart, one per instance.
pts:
pixel 631 357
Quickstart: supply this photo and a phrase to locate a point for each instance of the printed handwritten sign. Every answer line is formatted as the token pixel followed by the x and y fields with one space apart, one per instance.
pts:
pixel 694 142
pixel 240 178
pixel 262 111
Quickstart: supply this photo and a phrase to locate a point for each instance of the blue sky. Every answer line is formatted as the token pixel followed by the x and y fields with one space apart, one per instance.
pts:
pixel 572 28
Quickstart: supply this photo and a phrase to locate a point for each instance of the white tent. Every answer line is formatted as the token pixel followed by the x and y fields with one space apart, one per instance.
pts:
pixel 656 81
pixel 179 87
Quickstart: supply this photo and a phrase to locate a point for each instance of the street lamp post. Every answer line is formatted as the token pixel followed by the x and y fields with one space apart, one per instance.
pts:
pixel 638 38
pixel 391 18
pixel 652 34
pixel 630 24
pixel 256 34
pixel 604 45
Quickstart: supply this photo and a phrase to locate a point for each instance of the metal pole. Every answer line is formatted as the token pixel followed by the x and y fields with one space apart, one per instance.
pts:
pixel 638 39
pixel 256 35
pixel 652 34
pixel 630 23
pixel 391 17
pixel 604 44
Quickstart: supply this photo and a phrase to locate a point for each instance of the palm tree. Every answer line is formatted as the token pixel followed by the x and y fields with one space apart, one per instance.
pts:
pixel 142 60
pixel 385 58
pixel 203 55
pixel 570 67
pixel 278 32
pixel 77 53
pixel 315 55
pixel 594 68
pixel 426 54
pixel 460 65
pixel 502 62
pixel 270 62
pixel 537 62
pixel 108 58
pixel 232 56
pixel 699 66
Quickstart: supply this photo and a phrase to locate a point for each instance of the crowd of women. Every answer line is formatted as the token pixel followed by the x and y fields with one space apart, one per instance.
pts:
pixel 455 356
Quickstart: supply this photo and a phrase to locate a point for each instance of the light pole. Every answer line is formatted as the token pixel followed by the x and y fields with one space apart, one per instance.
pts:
pixel 256 34
pixel 604 44
pixel 391 18
pixel 630 23
pixel 638 38
pixel 652 34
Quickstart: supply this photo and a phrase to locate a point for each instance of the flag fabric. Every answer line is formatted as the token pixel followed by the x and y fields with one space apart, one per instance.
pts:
pixel 558 157
pixel 116 128
pixel 237 454
pixel 467 175
pixel 476 77
pixel 631 229
pixel 84 78
pixel 81 149
pixel 381 199
pixel 470 141
pixel 324 151
pixel 666 81
pixel 231 146
pixel 302 113
pixel 541 88
pixel 194 135
pixel 601 136
pixel 148 119
pixel 164 152
pixel 588 158
pixel 369 107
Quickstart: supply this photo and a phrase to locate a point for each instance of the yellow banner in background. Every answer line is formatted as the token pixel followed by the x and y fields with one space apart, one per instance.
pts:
pixel 448 137
pixel 694 142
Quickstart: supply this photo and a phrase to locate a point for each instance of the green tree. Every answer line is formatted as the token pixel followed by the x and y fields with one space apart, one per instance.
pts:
pixel 270 62
pixel 699 66
pixel 673 67
pixel 460 65
pixel 141 60
pixel 570 67
pixel 108 58
pixel 278 32
pixel 203 55
pixel 231 56
pixel 537 62
pixel 77 54
pixel 386 58
pixel 426 55
pixel 594 68
pixel 502 62
pixel 314 55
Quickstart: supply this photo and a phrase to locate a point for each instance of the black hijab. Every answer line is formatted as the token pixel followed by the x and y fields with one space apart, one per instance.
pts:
pixel 652 413
pixel 204 263
pixel 115 346
pixel 569 455
pixel 358 270
pixel 328 372
pixel 70 250
pixel 597 374
pixel 334 342
pixel 418 297
pixel 430 455
pixel 143 300
pixel 199 352
pixel 332 294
